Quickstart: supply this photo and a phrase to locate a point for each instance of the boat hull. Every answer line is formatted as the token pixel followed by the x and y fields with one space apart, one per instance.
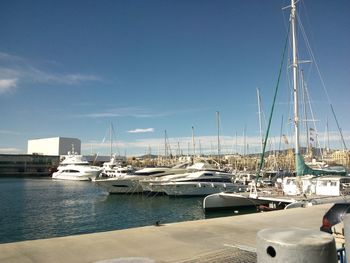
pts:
pixel 120 185
pixel 82 176
pixel 198 189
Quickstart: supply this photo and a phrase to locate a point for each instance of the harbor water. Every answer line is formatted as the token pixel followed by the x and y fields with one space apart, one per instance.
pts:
pixel 36 208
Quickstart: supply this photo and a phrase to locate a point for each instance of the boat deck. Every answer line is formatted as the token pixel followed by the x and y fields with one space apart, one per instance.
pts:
pixel 277 196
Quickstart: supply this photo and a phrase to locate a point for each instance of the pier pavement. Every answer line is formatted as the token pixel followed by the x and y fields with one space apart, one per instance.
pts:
pixel 227 239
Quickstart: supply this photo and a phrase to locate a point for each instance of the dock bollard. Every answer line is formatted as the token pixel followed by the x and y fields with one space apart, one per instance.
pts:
pixel 295 245
pixel 346 221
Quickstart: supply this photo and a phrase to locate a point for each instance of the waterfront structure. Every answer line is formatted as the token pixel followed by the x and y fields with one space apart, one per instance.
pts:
pixel 25 164
pixel 53 146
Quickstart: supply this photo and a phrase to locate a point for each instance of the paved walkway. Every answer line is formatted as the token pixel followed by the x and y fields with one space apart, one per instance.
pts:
pixel 191 241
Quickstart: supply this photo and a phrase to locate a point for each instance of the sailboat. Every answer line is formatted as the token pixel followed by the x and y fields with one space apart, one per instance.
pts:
pixel 114 167
pixel 326 185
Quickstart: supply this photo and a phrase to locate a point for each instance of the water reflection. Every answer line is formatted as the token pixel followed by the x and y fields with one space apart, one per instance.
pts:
pixel 44 208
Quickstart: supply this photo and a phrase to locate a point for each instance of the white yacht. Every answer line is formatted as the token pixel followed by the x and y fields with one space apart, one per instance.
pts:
pixel 230 200
pixel 76 168
pixel 201 183
pixel 114 168
pixel 130 183
pixel 154 184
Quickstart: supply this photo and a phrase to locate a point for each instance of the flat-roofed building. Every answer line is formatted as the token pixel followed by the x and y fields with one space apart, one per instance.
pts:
pixel 54 146
pixel 27 165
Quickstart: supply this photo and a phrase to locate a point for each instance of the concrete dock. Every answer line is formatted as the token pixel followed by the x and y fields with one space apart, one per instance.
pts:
pixel 225 239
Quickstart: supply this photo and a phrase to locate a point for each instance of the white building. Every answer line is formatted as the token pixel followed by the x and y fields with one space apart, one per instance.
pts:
pixel 54 146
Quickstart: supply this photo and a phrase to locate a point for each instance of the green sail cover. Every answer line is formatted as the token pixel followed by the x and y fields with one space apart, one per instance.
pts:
pixel 303 169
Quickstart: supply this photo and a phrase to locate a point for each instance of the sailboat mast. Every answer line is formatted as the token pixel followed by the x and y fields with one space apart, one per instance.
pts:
pixel 218 124
pixel 193 143
pixel 110 141
pixel 165 145
pixel 308 145
pixel 327 128
pixel 260 124
pixel 295 76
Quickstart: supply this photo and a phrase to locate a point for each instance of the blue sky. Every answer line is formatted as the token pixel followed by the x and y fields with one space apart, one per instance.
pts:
pixel 70 68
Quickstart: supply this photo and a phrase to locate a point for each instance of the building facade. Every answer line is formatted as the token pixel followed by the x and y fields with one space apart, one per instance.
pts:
pixel 54 146
pixel 25 164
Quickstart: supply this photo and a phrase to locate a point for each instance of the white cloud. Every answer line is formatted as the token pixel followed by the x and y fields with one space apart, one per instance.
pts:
pixel 14 69
pixel 7 85
pixel 9 132
pixel 10 150
pixel 137 112
pixel 141 130
pixel 40 76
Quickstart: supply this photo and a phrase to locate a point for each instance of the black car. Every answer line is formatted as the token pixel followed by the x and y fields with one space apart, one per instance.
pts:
pixel 334 216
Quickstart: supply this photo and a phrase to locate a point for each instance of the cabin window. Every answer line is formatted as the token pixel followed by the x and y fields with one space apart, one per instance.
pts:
pixel 323 183
pixel 333 183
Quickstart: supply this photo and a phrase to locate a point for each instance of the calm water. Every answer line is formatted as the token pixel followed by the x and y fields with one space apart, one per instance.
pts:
pixel 44 208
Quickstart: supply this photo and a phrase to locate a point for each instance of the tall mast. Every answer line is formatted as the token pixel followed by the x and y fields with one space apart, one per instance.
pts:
pixel 308 145
pixel 110 141
pixel 193 143
pixel 218 124
pixel 327 128
pixel 295 76
pixel 165 145
pixel 244 141
pixel 260 124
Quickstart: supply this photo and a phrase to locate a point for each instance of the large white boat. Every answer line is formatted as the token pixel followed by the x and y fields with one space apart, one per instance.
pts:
pixel 114 168
pixel 201 183
pixel 76 168
pixel 231 200
pixel 130 183
pixel 154 184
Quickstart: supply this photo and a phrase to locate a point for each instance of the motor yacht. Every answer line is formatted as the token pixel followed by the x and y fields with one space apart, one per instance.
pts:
pixel 76 168
pixel 114 168
pixel 154 183
pixel 201 183
pixel 130 183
